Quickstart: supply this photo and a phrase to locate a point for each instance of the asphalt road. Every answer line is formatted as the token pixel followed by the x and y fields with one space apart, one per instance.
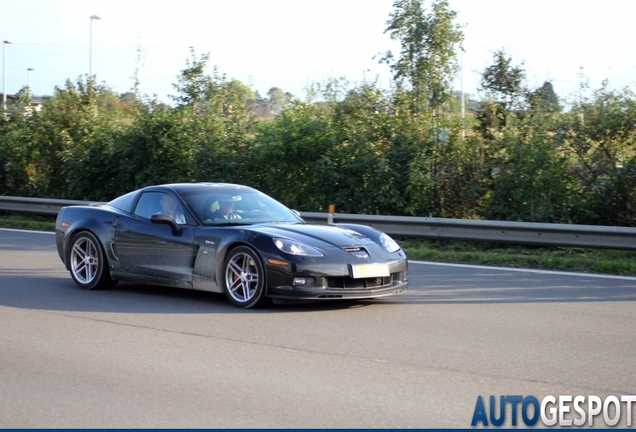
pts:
pixel 138 356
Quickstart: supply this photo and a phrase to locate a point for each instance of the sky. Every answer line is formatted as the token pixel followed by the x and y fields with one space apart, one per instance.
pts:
pixel 291 44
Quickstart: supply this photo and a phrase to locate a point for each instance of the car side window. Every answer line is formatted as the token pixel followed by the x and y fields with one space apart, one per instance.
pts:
pixel 149 203
pixel 160 202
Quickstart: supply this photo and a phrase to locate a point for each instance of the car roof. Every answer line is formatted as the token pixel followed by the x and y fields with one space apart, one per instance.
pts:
pixel 179 188
pixel 193 187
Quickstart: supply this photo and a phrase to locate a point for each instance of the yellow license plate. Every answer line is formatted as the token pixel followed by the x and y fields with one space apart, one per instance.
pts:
pixel 369 270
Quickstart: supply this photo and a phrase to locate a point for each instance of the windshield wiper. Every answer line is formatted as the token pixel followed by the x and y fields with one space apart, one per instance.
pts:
pixel 229 223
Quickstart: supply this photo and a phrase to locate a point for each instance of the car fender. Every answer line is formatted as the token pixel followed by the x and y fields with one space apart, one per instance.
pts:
pixel 213 247
pixel 97 221
pixel 222 252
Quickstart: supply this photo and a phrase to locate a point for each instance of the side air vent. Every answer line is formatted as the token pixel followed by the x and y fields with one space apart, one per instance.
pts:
pixel 114 251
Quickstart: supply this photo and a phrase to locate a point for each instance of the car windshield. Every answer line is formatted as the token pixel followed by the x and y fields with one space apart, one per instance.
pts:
pixel 236 207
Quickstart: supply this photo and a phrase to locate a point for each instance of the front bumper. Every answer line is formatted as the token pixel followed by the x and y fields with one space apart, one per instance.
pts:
pixel 314 293
pixel 335 282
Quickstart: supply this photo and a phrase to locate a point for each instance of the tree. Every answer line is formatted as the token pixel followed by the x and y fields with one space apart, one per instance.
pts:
pixel 193 84
pixel 278 99
pixel 503 84
pixel 545 99
pixel 16 133
pixel 604 148
pixel 427 62
pixel 240 89
pixel 71 142
pixel 529 178
pixel 424 72
pixel 128 99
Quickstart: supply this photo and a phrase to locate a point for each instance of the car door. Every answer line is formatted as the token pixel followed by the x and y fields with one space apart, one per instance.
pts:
pixel 155 250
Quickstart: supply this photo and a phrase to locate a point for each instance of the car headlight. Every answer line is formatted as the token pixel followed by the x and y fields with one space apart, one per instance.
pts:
pixel 294 247
pixel 389 244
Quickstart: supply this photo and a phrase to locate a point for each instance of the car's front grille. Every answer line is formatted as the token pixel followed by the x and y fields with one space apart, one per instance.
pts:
pixel 349 283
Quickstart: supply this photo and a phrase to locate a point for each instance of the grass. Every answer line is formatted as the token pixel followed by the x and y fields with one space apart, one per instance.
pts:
pixel 32 222
pixel 538 257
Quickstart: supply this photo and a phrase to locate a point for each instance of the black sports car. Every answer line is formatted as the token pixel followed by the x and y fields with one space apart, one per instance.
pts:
pixel 225 238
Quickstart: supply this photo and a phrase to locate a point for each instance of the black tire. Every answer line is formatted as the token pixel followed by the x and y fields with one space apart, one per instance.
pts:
pixel 88 262
pixel 244 278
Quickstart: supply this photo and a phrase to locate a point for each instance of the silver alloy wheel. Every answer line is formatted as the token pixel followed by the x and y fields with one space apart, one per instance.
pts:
pixel 84 260
pixel 241 277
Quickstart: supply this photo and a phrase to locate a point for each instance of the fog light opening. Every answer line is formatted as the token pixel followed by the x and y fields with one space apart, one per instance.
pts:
pixel 303 281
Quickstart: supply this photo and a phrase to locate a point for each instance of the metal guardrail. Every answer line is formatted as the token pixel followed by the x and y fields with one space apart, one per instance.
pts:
pixel 586 236
pixel 545 234
pixel 42 206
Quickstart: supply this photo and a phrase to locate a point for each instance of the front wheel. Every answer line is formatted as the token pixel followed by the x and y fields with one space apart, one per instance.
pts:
pixel 244 278
pixel 89 266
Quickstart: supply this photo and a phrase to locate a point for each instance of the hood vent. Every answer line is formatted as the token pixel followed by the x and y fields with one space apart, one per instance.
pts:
pixel 353 249
pixel 357 251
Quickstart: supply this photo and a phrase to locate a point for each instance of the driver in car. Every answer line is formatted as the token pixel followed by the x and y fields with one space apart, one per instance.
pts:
pixel 225 210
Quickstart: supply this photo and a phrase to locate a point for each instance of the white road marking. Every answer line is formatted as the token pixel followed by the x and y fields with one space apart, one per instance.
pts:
pixel 510 269
pixel 26 231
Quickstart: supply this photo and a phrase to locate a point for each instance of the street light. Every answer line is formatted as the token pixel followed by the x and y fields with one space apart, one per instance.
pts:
pixel 4 74
pixel 90 71
pixel 29 70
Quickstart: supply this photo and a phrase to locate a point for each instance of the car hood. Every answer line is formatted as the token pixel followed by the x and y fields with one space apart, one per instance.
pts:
pixel 315 235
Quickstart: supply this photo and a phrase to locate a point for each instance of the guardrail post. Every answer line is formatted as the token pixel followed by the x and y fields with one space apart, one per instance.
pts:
pixel 332 210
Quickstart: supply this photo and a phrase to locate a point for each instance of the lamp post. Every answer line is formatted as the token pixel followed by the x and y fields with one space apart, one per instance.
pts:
pixel 4 74
pixel 29 70
pixel 90 71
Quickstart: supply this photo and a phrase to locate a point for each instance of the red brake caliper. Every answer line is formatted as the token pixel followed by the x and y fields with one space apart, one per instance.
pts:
pixel 95 263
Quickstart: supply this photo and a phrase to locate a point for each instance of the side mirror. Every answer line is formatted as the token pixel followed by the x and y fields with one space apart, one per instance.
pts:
pixel 297 214
pixel 161 218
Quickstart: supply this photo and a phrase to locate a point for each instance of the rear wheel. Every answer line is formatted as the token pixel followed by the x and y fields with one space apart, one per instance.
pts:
pixel 244 278
pixel 89 266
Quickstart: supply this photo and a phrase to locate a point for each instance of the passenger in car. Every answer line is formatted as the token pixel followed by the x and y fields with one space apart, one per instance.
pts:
pixel 169 206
